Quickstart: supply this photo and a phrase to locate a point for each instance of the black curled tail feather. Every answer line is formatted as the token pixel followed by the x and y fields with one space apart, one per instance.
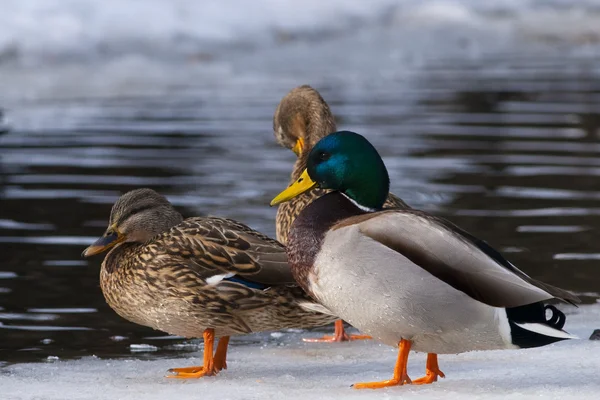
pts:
pixel 534 314
pixel 558 318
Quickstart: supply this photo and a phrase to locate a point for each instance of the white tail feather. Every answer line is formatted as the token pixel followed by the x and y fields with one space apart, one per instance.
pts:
pixel 545 330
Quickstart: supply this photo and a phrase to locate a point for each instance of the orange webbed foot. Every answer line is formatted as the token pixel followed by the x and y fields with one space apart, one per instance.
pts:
pixel 212 364
pixel 400 374
pixel 340 335
pixel 403 380
pixel 334 339
pixel 191 372
pixel 186 370
pixel 432 371
pixel 429 377
pixel 219 366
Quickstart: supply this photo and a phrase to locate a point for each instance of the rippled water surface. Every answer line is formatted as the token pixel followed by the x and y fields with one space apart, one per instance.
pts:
pixel 506 149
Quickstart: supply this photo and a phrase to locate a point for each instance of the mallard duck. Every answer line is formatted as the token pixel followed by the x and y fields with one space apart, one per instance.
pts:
pixel 407 278
pixel 301 119
pixel 199 277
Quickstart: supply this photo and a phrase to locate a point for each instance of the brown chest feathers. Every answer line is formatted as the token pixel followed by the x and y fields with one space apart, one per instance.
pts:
pixel 309 229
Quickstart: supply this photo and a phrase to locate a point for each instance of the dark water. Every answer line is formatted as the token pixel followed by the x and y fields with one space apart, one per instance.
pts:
pixel 508 149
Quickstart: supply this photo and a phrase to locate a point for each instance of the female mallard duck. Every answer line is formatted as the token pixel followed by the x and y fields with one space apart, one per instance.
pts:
pixel 210 277
pixel 301 119
pixel 405 277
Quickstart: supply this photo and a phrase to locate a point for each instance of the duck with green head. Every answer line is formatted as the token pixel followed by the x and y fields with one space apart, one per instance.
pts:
pixel 301 119
pixel 405 277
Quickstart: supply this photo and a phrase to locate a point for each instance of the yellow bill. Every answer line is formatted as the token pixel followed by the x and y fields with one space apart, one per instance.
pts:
pixel 298 147
pixel 303 184
pixel 108 240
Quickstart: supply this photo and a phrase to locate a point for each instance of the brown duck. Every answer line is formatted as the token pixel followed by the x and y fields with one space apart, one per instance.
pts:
pixel 203 276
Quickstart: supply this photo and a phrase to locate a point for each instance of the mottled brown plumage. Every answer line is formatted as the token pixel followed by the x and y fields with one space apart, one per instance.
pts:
pixel 303 114
pixel 186 276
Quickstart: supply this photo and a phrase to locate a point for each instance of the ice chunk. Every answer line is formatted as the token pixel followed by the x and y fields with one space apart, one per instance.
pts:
pixel 139 348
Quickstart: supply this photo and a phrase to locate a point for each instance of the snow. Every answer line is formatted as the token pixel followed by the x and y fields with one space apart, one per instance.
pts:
pixel 84 26
pixel 108 48
pixel 285 367
pixel 96 28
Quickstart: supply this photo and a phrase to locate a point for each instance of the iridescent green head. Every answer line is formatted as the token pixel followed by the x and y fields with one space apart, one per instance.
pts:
pixel 347 162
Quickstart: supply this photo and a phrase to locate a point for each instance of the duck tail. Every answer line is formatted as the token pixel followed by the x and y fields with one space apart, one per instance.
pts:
pixel 529 326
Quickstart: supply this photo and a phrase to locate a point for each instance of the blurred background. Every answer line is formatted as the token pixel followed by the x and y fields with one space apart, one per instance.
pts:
pixel 486 113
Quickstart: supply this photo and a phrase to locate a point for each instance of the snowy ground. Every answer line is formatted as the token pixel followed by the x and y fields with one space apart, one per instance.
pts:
pixel 294 370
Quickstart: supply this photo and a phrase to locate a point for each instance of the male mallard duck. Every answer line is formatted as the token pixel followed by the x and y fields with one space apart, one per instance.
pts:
pixel 301 119
pixel 403 276
pixel 209 276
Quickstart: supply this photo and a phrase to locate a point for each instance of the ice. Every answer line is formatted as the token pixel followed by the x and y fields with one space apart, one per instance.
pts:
pixel 577 256
pixel 71 310
pixel 65 263
pixel 291 369
pixel 11 224
pixel 48 328
pixel 184 346
pixel 54 240
pixel 552 228
pixel 142 348
pixel 27 317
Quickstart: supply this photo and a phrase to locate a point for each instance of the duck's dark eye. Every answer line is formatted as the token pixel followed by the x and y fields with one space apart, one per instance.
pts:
pixel 323 156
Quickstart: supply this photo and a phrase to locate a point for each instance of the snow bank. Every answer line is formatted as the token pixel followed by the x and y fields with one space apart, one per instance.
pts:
pixel 96 28
pixel 287 368
pixel 111 48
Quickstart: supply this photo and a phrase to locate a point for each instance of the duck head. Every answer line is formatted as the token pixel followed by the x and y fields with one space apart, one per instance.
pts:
pixel 346 162
pixel 137 216
pixel 301 119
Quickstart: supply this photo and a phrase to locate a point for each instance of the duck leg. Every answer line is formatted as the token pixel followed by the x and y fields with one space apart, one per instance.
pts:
pixel 339 335
pixel 400 370
pixel 211 365
pixel 432 371
pixel 221 353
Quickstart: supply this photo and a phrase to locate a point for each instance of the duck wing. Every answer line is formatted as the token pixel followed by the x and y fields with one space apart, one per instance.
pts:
pixel 221 248
pixel 456 257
